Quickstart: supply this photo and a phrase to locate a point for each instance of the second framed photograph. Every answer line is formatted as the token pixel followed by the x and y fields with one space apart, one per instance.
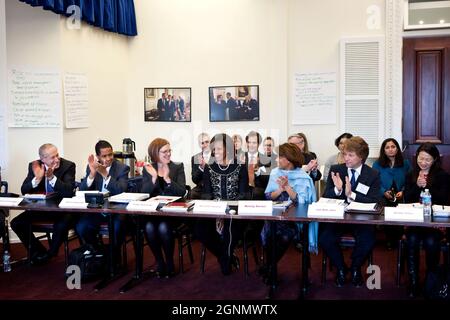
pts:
pixel 234 103
pixel 167 104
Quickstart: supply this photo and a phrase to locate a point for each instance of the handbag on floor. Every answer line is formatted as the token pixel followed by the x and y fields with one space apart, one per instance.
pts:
pixel 92 262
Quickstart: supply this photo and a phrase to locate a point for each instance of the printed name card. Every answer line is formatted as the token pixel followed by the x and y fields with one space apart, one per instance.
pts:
pixel 214 207
pixel 326 210
pixel 255 208
pixel 10 201
pixel 149 206
pixel 73 203
pixel 403 213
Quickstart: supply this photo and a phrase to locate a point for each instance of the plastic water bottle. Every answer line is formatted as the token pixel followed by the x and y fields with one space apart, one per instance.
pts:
pixel 426 202
pixel 6 261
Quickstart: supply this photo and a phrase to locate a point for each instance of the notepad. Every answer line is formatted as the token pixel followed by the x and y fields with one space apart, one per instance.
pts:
pixel 359 206
pixel 178 206
pixel 73 203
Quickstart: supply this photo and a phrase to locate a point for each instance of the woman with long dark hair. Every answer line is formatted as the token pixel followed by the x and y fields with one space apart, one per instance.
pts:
pixel 427 174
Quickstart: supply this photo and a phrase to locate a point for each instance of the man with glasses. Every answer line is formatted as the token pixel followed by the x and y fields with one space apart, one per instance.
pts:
pixel 198 163
pixel 269 145
pixel 49 174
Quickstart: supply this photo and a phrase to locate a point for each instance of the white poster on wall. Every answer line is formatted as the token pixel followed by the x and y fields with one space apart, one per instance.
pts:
pixel 76 100
pixel 34 98
pixel 314 98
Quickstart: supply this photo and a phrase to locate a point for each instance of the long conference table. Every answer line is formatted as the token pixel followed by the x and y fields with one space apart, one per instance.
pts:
pixel 294 214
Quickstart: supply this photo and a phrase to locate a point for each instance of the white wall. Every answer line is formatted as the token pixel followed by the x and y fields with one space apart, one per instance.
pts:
pixel 315 28
pixel 206 43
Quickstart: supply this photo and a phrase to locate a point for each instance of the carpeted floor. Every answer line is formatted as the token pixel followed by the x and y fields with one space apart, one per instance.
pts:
pixel 48 282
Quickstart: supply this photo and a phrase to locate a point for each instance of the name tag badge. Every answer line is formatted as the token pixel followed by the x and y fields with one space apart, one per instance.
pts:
pixel 362 188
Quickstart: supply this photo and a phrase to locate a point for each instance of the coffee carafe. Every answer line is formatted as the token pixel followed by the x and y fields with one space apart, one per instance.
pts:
pixel 128 157
pixel 128 146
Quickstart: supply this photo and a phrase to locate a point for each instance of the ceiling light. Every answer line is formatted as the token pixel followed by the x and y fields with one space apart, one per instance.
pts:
pixel 421 22
pixel 441 21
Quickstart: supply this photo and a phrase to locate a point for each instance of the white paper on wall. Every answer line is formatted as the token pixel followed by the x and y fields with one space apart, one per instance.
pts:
pixel 314 98
pixel 76 100
pixel 34 98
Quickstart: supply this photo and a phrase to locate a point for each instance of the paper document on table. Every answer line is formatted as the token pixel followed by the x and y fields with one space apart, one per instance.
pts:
pixel 441 211
pixel 358 206
pixel 10 201
pixel 330 201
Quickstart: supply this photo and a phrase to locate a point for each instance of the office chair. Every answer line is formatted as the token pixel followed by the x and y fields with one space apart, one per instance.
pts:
pixel 345 241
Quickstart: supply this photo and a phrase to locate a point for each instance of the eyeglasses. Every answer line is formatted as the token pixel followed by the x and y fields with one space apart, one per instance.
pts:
pixel 205 142
pixel 166 151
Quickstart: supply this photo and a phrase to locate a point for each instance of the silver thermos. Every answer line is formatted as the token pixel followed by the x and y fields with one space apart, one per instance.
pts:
pixel 128 148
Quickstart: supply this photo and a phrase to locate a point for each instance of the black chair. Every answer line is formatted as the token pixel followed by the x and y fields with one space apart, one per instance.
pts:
pixel 345 241
pixel 183 235
pixel 248 242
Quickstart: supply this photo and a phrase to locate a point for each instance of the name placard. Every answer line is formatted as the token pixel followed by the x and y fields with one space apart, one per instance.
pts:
pixel 73 203
pixel 149 206
pixel 255 208
pixel 402 213
pixel 206 206
pixel 324 210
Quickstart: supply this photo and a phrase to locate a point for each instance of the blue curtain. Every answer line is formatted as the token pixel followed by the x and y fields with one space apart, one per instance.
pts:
pixel 112 15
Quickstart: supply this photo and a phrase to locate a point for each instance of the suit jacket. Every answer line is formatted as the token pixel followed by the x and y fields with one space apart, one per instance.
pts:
pixel 196 173
pixel 369 177
pixel 117 184
pixel 65 182
pixel 263 161
pixel 177 186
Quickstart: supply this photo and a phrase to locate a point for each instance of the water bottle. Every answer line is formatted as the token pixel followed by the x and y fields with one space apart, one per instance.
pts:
pixel 6 261
pixel 426 202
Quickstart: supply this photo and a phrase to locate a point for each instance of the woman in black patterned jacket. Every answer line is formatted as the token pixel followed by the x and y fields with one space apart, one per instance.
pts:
pixel 225 179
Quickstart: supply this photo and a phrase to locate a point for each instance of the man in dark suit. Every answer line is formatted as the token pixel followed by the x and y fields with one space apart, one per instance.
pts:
pixel 269 146
pixel 198 163
pixel 105 174
pixel 181 108
pixel 161 106
pixel 233 107
pixel 352 181
pixel 258 166
pixel 50 173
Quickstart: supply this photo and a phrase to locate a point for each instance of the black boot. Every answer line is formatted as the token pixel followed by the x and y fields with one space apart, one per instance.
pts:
pixel 413 273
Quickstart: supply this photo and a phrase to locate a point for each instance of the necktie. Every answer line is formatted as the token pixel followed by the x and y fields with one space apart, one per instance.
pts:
pixel 353 179
pixel 251 172
pixel 49 187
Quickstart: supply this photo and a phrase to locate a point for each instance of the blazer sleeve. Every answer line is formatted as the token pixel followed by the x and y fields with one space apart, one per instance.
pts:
pixel 27 187
pixel 177 186
pixel 412 190
pixel 65 183
pixel 207 187
pixel 243 183
pixel 196 173
pixel 83 184
pixel 329 188
pixel 147 184
pixel 119 181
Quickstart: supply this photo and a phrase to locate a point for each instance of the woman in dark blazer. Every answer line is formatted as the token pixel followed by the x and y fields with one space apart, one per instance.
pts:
pixel 427 174
pixel 311 165
pixel 225 179
pixel 162 177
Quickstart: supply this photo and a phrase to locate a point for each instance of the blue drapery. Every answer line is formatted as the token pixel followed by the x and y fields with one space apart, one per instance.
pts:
pixel 112 15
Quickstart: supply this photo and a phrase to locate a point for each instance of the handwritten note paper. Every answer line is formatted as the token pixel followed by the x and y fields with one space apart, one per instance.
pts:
pixel 314 98
pixel 76 100
pixel 34 98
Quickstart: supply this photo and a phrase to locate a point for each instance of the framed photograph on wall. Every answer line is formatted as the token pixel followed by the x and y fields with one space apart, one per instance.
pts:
pixel 167 104
pixel 234 103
